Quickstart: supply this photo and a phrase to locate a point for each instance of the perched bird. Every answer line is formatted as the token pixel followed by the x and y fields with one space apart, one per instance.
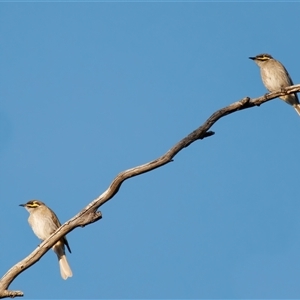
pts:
pixel 44 222
pixel 275 77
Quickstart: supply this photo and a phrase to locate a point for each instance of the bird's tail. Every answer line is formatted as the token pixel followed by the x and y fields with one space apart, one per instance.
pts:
pixel 297 108
pixel 65 270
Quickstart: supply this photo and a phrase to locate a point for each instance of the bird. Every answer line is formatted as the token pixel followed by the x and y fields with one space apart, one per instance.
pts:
pixel 44 222
pixel 275 77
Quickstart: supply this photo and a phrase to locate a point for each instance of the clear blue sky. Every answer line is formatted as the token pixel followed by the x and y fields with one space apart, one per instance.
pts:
pixel 91 89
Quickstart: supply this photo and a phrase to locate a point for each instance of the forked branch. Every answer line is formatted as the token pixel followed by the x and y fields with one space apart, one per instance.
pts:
pixel 89 214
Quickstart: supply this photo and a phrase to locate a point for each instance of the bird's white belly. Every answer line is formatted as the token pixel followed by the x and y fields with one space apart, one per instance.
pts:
pixel 271 81
pixel 42 227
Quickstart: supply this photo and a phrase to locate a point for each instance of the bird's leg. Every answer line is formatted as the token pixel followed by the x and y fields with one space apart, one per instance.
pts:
pixel 283 90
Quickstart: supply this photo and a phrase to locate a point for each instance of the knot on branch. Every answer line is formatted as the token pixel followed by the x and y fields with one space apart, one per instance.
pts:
pixel 206 134
pixel 89 218
pixel 244 101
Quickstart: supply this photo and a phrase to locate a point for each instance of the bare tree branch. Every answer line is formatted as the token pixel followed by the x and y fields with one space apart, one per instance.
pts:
pixel 90 214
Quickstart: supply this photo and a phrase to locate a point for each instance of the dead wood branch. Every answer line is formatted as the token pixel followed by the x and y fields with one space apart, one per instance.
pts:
pixel 90 214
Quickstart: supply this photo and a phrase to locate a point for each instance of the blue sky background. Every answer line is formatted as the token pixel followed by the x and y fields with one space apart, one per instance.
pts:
pixel 91 89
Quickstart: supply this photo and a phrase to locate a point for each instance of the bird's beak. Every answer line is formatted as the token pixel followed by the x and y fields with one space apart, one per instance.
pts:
pixel 22 205
pixel 253 58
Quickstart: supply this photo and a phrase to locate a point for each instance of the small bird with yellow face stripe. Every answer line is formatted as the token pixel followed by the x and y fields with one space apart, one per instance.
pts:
pixel 275 77
pixel 44 222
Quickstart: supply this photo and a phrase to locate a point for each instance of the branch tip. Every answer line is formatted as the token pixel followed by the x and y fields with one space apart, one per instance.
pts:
pixel 11 294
